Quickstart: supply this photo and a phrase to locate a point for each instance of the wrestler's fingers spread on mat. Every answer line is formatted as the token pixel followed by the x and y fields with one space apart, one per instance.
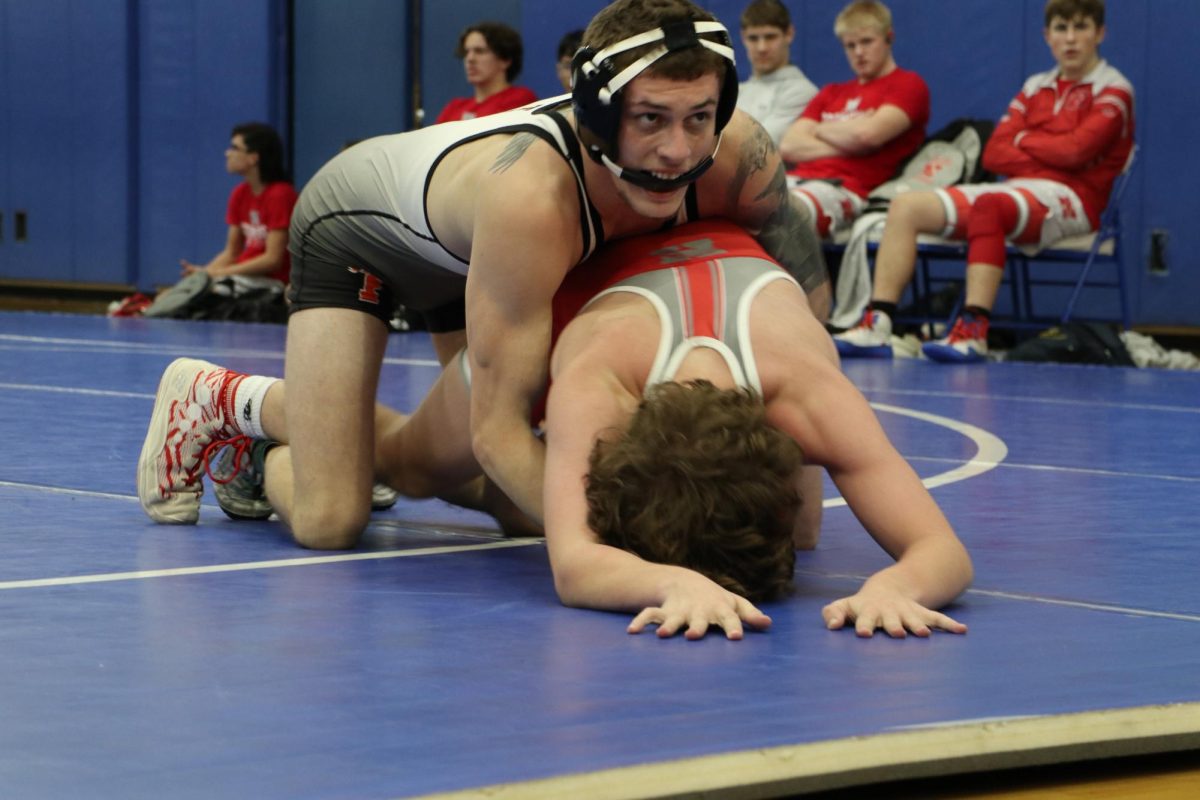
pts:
pixel 698 626
pixel 917 625
pixel 646 617
pixel 890 621
pixel 945 623
pixel 834 614
pixel 750 615
pixel 866 621
pixel 730 622
pixel 670 625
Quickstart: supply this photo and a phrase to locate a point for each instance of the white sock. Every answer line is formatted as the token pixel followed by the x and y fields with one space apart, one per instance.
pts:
pixel 248 402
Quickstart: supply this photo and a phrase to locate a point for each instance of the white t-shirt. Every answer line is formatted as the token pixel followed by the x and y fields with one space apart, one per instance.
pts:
pixel 776 99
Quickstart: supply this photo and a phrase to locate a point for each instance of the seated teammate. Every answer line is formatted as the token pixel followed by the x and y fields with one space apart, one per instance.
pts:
pixel 688 377
pixel 1064 139
pixel 855 134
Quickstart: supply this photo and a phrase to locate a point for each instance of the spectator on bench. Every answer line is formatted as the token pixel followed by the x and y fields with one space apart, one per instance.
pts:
pixel 1064 139
pixel 491 53
pixel 854 135
pixel 776 92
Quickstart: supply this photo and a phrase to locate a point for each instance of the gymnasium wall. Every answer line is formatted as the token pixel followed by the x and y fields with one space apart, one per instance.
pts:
pixel 114 116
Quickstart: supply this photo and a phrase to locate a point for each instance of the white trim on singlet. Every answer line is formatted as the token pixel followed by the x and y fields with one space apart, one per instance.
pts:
pixel 685 347
pixel 666 329
pixel 743 322
pixel 742 365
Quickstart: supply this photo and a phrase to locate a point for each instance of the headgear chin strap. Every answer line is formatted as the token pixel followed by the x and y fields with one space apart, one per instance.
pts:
pixel 648 180
pixel 597 94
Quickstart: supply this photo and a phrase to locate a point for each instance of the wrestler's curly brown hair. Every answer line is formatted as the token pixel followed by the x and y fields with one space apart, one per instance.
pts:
pixel 700 480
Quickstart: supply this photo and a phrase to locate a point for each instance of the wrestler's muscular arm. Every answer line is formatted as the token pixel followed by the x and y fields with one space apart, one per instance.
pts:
pixel 748 185
pixel 593 395
pixel 833 424
pixel 525 238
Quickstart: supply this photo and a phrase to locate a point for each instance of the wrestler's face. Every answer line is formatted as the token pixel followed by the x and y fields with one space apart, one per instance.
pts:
pixel 667 128
pixel 767 46
pixel 869 52
pixel 1075 45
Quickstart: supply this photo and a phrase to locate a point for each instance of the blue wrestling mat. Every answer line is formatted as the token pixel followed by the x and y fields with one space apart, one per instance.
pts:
pixel 139 660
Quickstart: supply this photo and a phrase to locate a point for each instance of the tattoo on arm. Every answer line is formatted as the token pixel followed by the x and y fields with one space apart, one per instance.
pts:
pixel 790 238
pixel 752 158
pixel 515 148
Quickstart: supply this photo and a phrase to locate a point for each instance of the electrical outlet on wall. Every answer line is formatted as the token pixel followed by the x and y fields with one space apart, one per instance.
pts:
pixel 1156 258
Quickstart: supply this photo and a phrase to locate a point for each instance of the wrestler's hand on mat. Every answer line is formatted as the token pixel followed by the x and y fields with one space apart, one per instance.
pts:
pixel 897 615
pixel 695 603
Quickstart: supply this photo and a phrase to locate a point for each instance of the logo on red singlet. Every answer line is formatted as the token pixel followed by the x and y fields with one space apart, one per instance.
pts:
pixel 369 293
pixel 1068 208
pixel 696 249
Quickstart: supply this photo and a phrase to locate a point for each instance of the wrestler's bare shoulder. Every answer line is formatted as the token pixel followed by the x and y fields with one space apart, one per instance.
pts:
pixel 507 165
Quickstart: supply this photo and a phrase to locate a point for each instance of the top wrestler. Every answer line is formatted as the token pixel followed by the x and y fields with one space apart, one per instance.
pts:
pixel 496 211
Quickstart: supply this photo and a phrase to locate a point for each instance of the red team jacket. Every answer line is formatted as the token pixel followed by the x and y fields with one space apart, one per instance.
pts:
pixel 1079 134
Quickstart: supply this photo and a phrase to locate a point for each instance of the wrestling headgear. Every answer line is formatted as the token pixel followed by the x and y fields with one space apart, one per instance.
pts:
pixel 597 94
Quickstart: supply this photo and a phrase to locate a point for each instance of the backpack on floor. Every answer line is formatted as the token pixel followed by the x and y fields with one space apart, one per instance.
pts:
pixel 1075 343
pixel 952 155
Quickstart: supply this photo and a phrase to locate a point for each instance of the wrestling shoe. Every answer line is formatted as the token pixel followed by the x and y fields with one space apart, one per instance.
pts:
pixel 870 338
pixel 237 476
pixel 383 497
pixel 193 409
pixel 965 344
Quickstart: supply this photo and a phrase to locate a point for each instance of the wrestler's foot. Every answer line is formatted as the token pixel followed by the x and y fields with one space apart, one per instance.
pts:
pixel 238 478
pixel 383 497
pixel 193 408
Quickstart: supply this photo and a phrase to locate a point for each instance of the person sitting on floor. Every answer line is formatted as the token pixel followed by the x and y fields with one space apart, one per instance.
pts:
pixel 259 210
pixel 1064 139
pixel 254 265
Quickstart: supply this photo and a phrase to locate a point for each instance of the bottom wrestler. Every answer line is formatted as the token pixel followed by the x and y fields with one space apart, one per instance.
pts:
pixel 688 377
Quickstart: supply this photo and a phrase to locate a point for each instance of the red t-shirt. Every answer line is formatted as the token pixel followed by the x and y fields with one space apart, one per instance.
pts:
pixel 860 174
pixel 470 108
pixel 258 214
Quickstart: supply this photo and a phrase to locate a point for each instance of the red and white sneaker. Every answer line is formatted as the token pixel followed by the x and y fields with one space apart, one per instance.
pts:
pixel 870 338
pixel 193 409
pixel 965 344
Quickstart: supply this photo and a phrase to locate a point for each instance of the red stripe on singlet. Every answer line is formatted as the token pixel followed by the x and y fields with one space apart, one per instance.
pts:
pixel 702 291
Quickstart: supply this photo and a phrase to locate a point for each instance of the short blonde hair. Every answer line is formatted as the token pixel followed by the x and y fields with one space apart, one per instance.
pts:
pixel 863 14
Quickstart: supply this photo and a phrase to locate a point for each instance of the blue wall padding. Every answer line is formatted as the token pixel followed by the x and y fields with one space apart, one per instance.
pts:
pixel 114 117
pixel 64 94
pixel 975 54
pixel 205 65
pixel 350 76
pixel 442 75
